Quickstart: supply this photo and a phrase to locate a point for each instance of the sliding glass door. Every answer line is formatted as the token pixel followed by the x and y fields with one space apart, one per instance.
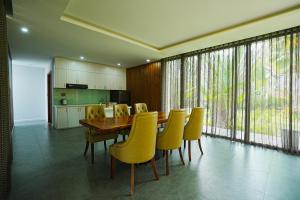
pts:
pixel 250 89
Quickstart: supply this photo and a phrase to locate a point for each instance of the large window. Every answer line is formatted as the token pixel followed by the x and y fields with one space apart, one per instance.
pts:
pixel 249 89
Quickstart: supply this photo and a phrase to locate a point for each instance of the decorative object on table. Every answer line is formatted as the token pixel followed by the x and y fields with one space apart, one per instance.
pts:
pixel 138 148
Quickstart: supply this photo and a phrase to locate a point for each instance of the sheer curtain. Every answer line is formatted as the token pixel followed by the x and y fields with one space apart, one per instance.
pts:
pixel 190 84
pixel 250 89
pixel 295 112
pixel 217 91
pixel 171 83
pixel 269 92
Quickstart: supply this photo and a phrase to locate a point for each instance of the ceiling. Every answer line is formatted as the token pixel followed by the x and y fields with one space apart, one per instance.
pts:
pixel 129 32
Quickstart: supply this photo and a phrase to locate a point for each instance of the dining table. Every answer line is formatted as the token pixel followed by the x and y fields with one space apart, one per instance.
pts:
pixel 109 125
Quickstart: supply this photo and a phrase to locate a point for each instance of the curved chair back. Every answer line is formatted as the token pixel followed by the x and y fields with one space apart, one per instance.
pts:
pixel 120 110
pixel 140 108
pixel 140 145
pixel 193 129
pixel 94 112
pixel 171 137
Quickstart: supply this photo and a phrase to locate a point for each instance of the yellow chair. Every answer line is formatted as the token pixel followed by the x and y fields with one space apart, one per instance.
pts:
pixel 95 112
pixel 171 137
pixel 120 110
pixel 140 108
pixel 140 145
pixel 193 129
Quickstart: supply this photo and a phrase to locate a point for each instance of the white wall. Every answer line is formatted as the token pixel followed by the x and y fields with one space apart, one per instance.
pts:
pixel 29 93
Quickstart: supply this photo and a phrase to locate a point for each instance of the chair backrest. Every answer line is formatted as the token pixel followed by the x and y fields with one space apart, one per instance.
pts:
pixel 120 110
pixel 142 138
pixel 140 108
pixel 94 112
pixel 173 131
pixel 193 129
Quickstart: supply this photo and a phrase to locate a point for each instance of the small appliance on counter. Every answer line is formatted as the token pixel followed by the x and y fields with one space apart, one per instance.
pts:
pixel 63 100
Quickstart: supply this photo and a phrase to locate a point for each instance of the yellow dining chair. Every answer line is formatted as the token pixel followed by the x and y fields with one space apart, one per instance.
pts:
pixel 139 147
pixel 193 129
pixel 140 108
pixel 120 110
pixel 96 112
pixel 171 136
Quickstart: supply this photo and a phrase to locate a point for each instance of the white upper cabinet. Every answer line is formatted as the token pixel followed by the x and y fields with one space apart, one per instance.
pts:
pixel 60 78
pixel 72 76
pixel 61 63
pixel 94 75
pixel 100 80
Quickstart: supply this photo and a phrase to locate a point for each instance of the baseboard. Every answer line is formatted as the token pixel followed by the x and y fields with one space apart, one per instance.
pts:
pixel 29 122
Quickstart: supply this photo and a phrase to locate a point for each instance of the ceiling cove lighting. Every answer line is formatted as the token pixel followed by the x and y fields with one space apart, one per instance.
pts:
pixel 24 30
pixel 81 57
pixel 119 64
pixel 148 60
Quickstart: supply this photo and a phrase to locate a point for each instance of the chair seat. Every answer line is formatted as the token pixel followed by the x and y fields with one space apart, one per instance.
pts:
pixel 98 137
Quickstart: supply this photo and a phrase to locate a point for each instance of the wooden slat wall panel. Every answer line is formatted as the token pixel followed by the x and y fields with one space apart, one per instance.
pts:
pixel 5 113
pixel 144 83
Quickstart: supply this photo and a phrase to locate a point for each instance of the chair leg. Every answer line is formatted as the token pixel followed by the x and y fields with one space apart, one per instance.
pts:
pixel 200 147
pixel 132 180
pixel 124 137
pixel 86 148
pixel 116 140
pixel 154 168
pixel 92 152
pixel 112 167
pixel 105 145
pixel 171 152
pixel 189 147
pixel 181 158
pixel 167 163
pixel 164 153
pixel 184 143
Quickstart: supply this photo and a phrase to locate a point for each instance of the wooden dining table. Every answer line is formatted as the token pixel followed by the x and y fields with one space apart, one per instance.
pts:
pixel 109 125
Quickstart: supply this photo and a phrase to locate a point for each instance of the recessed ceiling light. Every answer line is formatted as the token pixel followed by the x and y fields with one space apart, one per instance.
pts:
pixel 119 64
pixel 24 30
pixel 147 60
pixel 81 57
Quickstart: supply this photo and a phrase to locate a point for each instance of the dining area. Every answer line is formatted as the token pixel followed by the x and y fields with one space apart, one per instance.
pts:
pixel 145 137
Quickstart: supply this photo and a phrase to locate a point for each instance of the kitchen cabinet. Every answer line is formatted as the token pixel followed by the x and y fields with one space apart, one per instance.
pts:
pixel 60 78
pixel 100 81
pixel 73 116
pixel 68 116
pixel 94 75
pixel 61 118
pixel 72 77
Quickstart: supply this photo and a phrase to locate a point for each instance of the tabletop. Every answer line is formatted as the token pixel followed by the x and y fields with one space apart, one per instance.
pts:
pixel 117 123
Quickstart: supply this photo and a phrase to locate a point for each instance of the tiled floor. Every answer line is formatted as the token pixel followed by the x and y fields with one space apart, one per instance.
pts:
pixel 48 164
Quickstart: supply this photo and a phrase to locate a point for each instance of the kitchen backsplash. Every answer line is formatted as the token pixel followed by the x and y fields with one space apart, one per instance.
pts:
pixel 78 96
